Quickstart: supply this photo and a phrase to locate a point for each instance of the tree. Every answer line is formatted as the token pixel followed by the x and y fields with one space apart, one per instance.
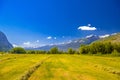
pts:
pixel 30 51
pixel 108 48
pixel 54 50
pixel 116 46
pixel 84 49
pixel 70 51
pixel 18 50
pixel 97 47
pixel 115 53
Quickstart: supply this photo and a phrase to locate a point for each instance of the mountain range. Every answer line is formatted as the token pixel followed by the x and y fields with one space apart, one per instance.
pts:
pixel 5 45
pixel 74 44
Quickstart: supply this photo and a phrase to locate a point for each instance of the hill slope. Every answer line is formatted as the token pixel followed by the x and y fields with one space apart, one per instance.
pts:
pixel 112 38
pixel 4 43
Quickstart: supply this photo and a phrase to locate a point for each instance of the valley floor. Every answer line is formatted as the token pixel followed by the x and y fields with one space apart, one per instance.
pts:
pixel 58 67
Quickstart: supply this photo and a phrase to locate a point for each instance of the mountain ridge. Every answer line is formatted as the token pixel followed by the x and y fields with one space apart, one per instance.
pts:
pixel 114 38
pixel 5 45
pixel 74 44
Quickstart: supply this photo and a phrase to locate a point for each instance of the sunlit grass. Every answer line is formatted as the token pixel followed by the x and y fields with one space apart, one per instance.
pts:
pixel 13 68
pixel 76 67
pixel 59 67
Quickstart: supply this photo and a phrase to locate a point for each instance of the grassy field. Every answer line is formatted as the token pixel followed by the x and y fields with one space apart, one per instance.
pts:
pixel 58 67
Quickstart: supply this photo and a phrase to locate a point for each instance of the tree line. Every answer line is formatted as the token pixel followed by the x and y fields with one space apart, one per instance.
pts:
pixel 100 48
pixel 54 50
pixel 94 48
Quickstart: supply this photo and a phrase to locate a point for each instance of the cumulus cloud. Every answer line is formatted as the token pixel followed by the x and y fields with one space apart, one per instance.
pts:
pixel 14 45
pixel 88 28
pixel 29 44
pixel 49 37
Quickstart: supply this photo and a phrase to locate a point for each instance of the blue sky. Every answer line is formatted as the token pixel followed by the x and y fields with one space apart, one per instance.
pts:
pixel 52 21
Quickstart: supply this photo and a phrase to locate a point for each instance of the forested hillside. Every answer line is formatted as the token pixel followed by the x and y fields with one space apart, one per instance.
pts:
pixel 109 45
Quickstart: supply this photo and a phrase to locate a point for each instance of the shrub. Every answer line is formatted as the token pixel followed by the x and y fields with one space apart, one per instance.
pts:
pixel 71 51
pixel 18 50
pixel 115 53
pixel 54 50
pixel 84 49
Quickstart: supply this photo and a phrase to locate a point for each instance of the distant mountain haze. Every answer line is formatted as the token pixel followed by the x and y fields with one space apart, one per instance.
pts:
pixel 74 44
pixel 5 45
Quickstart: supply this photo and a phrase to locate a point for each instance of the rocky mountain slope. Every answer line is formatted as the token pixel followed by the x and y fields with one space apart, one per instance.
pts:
pixel 4 43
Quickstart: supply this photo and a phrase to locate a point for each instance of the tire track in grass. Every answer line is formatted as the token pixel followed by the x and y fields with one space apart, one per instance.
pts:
pixel 7 59
pixel 52 69
pixel 102 67
pixel 11 57
pixel 28 73
pixel 107 69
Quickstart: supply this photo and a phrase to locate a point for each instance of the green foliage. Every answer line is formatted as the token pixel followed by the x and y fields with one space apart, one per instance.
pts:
pixel 71 51
pixel 62 52
pixel 108 47
pixel 18 50
pixel 54 50
pixel 36 52
pixel 76 52
pixel 99 47
pixel 31 52
pixel 115 53
pixel 84 49
pixel 117 47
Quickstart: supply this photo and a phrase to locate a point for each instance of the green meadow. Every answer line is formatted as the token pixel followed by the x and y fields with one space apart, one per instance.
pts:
pixel 58 67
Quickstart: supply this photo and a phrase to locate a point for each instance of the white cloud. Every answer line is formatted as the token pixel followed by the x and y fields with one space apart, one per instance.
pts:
pixel 88 27
pixel 27 43
pixel 49 37
pixel 37 41
pixel 14 45
pixel 55 38
pixel 104 36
